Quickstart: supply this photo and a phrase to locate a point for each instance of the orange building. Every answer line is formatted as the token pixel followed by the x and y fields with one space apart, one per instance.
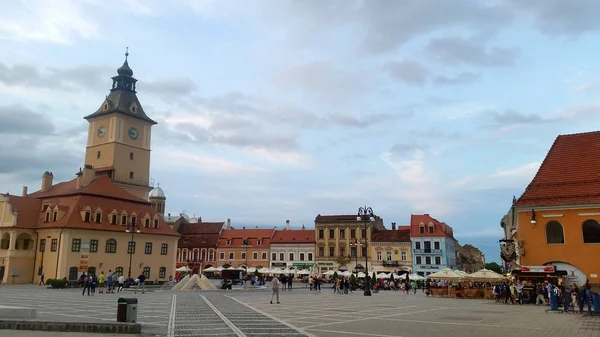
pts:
pixel 556 220
pixel 244 247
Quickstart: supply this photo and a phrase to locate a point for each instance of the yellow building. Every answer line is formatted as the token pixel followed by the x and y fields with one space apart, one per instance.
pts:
pixel 336 237
pixel 390 250
pixel 102 219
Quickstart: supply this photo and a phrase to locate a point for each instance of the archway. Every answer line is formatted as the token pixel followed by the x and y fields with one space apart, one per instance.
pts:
pixel 5 241
pixel 591 231
pixel 23 242
pixel 554 232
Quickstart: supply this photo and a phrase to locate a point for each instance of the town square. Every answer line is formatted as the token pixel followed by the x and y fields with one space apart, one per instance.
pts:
pixel 391 168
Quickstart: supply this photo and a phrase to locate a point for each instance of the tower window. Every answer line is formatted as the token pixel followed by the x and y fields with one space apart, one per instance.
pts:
pixel 98 155
pixel 133 109
pixel 131 175
pixel 130 155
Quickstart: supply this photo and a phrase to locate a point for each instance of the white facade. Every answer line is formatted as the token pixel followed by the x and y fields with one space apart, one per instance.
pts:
pixel 299 256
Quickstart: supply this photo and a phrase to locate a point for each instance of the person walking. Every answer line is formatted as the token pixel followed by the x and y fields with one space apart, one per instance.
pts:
pixel 141 283
pixel 519 290
pixel 121 283
pixel 87 284
pixel 275 288
pixel 42 280
pixel 101 282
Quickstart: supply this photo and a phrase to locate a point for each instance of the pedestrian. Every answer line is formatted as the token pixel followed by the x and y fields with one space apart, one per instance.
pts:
pixel 87 284
pixel 94 283
pixel 121 283
pixel 275 288
pixel 141 283
pixel 290 279
pixel 519 290
pixel 101 282
pixel 42 280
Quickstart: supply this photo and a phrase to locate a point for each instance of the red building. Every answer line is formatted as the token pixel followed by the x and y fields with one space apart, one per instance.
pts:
pixel 197 246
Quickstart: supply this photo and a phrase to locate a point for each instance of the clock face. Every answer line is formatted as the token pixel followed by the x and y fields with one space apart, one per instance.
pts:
pixel 101 131
pixel 133 133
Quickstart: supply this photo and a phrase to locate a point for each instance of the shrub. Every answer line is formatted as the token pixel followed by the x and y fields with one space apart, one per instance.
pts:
pixel 335 275
pixel 353 280
pixel 57 283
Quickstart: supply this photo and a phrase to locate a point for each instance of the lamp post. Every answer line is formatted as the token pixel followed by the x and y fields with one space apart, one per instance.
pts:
pixel 356 243
pixel 132 228
pixel 366 214
pixel 246 244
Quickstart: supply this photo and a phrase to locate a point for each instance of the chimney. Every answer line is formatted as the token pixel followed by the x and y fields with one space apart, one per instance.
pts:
pixel 47 181
pixel 228 224
pixel 199 219
pixel 393 226
pixel 24 194
pixel 244 227
pixel 287 225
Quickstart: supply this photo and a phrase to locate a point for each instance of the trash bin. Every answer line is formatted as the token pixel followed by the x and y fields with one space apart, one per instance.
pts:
pixel 596 303
pixel 127 310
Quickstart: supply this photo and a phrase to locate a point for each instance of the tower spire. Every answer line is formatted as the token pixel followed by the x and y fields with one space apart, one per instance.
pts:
pixel 126 53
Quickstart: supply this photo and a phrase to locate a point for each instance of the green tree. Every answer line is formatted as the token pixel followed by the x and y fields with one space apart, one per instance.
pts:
pixel 391 277
pixel 353 280
pixel 342 260
pixel 407 278
pixel 373 279
pixel 335 275
pixel 493 266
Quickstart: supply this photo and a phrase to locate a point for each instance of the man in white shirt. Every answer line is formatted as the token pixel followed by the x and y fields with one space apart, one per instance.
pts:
pixel 121 283
pixel 275 287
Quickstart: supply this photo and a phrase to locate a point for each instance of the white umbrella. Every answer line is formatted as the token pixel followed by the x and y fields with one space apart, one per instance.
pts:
pixel 303 272
pixel 330 273
pixel 361 274
pixel 251 270
pixel 264 270
pixel 220 268
pixel 287 271
pixel 182 268
pixel 383 276
pixel 210 269
pixel 416 277
pixel 277 271
pixel 346 273
pixel 485 275
pixel 447 275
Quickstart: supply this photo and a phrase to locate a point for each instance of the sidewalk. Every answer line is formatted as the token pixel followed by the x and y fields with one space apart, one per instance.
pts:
pixel 28 333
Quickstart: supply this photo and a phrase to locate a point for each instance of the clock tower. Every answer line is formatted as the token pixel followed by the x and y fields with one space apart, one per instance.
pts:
pixel 118 143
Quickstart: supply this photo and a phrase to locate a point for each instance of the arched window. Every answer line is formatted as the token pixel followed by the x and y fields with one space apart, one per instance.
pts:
pixel 147 272
pixel 554 232
pixel 91 270
pixel 591 231
pixel 162 272
pixel 73 273
pixel 111 246
pixel 119 271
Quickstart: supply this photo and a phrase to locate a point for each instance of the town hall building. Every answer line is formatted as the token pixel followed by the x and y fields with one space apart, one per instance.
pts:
pixel 101 221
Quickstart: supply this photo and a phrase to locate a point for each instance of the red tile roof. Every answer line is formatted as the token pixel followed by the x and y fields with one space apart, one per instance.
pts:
pixel 75 204
pixel 238 235
pixel 570 173
pixel 440 228
pixel 26 210
pixel 201 228
pixel 199 241
pixel 294 236
pixel 391 236
pixel 100 186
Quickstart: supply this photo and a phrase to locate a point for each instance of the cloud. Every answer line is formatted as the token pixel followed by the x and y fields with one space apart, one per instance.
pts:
pixel 204 163
pixel 561 18
pixel 511 120
pixel 491 231
pixel 524 172
pixel 462 78
pixel 408 71
pixel 18 120
pixel 403 149
pixel 82 77
pixel 456 50
pixel 169 88
pixel 323 82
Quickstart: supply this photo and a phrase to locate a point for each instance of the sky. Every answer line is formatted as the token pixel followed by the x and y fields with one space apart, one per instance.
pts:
pixel 277 110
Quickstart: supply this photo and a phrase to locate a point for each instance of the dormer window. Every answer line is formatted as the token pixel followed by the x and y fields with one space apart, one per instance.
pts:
pixel 259 242
pixel 47 218
pixel 431 229
pixel 228 242
pixel 55 216
pixel 133 220
pixel 147 222
pixel 87 216
pixel 155 223
pixel 422 229
pixel 106 106
pixel 98 217
pixel 123 219
pixel 113 219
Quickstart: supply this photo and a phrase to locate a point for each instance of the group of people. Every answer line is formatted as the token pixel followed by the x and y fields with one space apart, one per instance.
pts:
pixel 107 283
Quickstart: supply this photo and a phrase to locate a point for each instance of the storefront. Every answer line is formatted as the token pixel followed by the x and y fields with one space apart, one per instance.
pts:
pixel 303 265
pixel 323 267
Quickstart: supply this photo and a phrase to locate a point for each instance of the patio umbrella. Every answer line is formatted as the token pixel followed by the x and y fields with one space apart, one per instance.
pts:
pixel 416 277
pixel 251 270
pixel 447 275
pixel 485 275
pixel 183 268
pixel 330 273
pixel 210 269
pixel 264 270
pixel 303 272
pixel 276 271
pixel 220 268
pixel 383 276
pixel 346 273
pixel 361 274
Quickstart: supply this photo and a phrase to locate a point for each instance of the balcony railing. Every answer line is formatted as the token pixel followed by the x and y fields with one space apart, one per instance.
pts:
pixel 428 251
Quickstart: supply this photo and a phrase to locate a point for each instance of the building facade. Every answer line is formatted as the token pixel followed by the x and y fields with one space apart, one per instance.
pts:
pixel 197 247
pixel 86 224
pixel 334 235
pixel 556 221
pixel 391 251
pixel 244 247
pixel 433 245
pixel 293 248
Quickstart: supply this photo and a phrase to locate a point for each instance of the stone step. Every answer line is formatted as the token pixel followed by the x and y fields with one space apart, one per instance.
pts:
pixel 7 311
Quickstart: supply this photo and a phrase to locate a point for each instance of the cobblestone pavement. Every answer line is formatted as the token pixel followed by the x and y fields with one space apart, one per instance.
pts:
pixel 69 306
pixel 301 312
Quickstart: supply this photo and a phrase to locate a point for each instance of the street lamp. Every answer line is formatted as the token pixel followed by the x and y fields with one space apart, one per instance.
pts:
pixel 131 228
pixel 356 243
pixel 246 244
pixel 366 214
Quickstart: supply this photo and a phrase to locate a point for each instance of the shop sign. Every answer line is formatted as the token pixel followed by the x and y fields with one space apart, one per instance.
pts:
pixel 429 267
pixel 302 264
pixel 574 274
pixel 325 263
pixel 538 269
pixel 83 259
